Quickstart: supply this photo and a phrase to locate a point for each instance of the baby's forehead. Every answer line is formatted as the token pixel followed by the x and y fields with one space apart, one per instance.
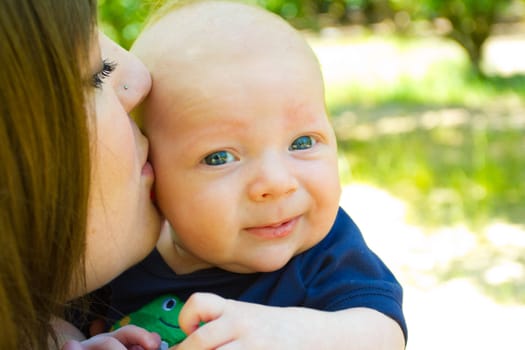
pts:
pixel 212 27
pixel 206 43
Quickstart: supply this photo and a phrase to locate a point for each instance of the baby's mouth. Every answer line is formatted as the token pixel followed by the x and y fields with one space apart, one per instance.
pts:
pixel 276 230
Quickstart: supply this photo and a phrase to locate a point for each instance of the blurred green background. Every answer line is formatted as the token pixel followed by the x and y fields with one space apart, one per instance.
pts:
pixel 428 102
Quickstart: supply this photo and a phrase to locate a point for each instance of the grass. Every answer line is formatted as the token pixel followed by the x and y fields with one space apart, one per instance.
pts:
pixel 447 175
pixel 449 143
pixel 447 83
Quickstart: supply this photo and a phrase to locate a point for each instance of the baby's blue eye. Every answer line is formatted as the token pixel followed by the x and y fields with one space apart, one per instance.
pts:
pixel 218 158
pixel 302 142
pixel 169 304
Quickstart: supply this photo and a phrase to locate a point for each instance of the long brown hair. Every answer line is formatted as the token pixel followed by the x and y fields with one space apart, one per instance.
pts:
pixel 44 156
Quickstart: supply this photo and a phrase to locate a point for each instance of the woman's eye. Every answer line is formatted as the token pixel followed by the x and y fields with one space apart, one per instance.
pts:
pixel 218 158
pixel 303 142
pixel 107 68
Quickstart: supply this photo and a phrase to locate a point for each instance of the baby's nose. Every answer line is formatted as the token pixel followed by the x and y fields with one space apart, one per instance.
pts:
pixel 273 179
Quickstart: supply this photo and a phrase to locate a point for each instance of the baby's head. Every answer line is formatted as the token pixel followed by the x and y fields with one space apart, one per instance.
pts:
pixel 244 155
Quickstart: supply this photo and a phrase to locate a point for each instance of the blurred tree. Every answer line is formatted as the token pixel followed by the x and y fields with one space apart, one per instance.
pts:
pixel 308 14
pixel 377 10
pixel 122 20
pixel 316 14
pixel 470 21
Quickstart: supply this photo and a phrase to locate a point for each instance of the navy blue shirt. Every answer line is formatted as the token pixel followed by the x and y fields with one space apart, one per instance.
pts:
pixel 340 272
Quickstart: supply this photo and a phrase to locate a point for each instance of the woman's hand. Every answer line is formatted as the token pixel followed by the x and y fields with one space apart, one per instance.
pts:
pixel 126 338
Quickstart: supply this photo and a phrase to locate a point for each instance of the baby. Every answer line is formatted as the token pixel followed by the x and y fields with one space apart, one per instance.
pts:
pixel 245 161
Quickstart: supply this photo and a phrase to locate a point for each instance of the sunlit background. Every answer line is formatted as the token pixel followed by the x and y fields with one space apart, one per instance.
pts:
pixel 427 100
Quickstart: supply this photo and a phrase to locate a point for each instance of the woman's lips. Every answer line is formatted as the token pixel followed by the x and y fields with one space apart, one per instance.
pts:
pixel 147 169
pixel 279 230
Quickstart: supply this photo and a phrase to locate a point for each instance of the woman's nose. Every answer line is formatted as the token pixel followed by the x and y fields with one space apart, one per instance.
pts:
pixel 134 83
pixel 273 179
pixel 131 80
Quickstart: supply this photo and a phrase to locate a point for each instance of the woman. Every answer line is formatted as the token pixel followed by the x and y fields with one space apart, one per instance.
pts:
pixel 75 184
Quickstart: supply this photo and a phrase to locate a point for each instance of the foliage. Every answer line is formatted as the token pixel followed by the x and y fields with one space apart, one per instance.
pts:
pixel 315 14
pixel 448 175
pixel 122 20
pixel 470 21
pixel 455 157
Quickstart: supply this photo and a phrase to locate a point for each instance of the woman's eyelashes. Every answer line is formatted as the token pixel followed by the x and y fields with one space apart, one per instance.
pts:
pixel 302 143
pixel 107 68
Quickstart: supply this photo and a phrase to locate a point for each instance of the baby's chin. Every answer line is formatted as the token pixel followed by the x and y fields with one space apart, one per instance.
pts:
pixel 269 262
pixel 253 268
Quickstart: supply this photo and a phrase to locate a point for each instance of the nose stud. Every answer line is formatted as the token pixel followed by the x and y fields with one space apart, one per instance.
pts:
pixel 126 86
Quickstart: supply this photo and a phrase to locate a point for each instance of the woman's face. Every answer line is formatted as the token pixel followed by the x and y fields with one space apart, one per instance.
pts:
pixel 123 224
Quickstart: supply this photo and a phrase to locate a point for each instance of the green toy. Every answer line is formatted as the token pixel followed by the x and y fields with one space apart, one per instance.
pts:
pixel 160 316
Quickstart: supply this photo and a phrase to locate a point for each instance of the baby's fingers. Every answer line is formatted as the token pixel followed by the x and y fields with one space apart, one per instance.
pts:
pixel 213 335
pixel 205 320
pixel 200 307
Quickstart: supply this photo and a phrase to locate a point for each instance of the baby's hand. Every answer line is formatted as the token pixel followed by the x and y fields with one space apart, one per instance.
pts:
pixel 125 338
pixel 233 324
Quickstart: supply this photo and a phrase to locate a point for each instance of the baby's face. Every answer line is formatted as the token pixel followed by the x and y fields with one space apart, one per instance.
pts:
pixel 245 158
pixel 246 164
